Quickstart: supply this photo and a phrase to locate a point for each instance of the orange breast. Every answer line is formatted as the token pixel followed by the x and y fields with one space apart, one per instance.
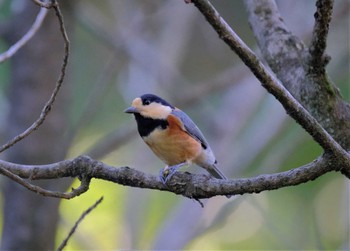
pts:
pixel 173 145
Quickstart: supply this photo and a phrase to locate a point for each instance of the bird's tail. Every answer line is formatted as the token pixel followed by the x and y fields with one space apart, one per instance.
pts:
pixel 216 172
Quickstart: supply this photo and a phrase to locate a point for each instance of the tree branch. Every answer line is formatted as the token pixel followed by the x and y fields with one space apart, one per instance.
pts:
pixel 186 184
pixel 271 83
pixel 318 45
pixel 277 44
pixel 30 33
pixel 45 111
pixel 85 182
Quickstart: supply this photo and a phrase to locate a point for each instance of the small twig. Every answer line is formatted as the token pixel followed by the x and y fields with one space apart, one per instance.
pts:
pixel 199 202
pixel 30 33
pixel 71 232
pixel 318 45
pixel 47 5
pixel 45 111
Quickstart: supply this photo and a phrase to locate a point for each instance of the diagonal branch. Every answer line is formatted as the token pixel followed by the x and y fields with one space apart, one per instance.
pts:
pixel 318 45
pixel 186 184
pixel 271 83
pixel 81 218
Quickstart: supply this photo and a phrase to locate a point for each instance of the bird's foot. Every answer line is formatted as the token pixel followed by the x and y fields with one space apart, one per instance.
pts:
pixel 166 173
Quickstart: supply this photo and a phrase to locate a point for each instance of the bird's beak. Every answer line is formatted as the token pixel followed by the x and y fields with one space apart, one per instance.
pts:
pixel 131 109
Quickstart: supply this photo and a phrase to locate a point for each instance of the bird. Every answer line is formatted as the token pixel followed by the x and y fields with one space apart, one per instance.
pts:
pixel 172 136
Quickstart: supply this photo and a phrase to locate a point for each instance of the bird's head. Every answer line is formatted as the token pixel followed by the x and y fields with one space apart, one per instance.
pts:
pixel 150 106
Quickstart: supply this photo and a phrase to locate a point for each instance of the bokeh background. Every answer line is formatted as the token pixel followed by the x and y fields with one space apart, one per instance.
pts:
pixel 122 49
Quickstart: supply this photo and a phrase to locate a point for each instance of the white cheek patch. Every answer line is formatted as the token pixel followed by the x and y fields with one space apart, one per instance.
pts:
pixel 155 111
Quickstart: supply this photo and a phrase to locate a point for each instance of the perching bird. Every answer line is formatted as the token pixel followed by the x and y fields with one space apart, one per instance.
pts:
pixel 172 136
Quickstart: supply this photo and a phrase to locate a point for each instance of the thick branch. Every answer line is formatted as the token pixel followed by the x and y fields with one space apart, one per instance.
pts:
pixel 186 184
pixel 271 83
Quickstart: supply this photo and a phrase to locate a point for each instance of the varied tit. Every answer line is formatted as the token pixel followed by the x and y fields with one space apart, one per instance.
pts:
pixel 172 136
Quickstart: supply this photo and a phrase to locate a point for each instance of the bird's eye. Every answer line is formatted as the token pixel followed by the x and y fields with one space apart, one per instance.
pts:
pixel 147 102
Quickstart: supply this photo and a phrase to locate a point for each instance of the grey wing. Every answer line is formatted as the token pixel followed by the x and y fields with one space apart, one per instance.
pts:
pixel 191 127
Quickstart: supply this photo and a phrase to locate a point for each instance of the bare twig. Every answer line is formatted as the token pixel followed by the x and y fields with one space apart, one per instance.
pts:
pixel 81 218
pixel 30 33
pixel 271 83
pixel 318 45
pixel 45 111
pixel 186 184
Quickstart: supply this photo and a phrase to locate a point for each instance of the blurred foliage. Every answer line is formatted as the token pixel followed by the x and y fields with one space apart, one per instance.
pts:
pixel 121 49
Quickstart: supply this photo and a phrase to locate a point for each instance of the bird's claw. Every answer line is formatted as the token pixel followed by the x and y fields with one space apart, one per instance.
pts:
pixel 166 173
pixel 163 175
